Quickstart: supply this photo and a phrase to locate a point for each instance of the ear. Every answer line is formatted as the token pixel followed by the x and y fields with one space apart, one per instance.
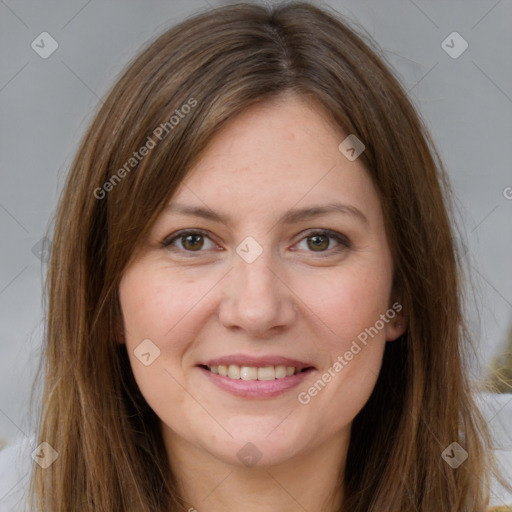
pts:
pixel 119 335
pixel 398 321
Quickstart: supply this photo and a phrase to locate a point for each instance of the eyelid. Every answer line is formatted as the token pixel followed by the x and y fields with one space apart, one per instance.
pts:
pixel 170 239
pixel 343 241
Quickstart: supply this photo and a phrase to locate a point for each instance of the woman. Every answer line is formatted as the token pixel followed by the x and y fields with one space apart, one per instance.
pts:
pixel 253 292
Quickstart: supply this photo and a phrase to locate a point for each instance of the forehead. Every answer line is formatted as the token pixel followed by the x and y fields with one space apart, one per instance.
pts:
pixel 272 156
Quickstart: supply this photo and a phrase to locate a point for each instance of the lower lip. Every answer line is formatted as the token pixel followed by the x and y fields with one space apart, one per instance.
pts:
pixel 256 388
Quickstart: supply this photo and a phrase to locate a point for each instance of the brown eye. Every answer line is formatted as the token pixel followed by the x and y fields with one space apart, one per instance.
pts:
pixel 320 242
pixel 192 242
pixel 189 241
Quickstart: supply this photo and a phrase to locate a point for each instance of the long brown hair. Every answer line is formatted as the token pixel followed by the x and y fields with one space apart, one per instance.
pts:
pixel 219 62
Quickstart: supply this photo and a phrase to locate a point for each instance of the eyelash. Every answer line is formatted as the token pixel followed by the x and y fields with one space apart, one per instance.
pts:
pixel 344 242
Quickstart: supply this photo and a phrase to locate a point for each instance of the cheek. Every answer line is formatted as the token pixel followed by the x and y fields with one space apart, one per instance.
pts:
pixel 357 337
pixel 350 301
pixel 350 304
pixel 155 304
pixel 158 310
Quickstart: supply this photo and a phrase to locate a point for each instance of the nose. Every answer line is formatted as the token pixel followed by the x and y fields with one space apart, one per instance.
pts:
pixel 256 298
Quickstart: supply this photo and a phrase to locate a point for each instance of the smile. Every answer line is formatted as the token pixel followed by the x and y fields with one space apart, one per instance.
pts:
pixel 234 371
pixel 255 382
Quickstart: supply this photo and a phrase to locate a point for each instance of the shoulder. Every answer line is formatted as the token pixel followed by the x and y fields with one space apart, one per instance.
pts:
pixel 497 412
pixel 15 468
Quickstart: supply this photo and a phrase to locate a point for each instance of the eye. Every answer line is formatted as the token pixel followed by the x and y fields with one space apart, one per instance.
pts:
pixel 319 241
pixel 189 241
pixel 193 241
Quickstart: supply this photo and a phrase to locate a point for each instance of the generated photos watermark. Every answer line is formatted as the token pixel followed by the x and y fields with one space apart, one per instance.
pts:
pixel 304 397
pixel 158 133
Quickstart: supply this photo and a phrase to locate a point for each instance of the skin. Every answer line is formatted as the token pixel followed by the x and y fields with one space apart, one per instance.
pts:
pixel 296 300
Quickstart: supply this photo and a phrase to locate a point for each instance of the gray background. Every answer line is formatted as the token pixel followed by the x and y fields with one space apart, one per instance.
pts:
pixel 45 105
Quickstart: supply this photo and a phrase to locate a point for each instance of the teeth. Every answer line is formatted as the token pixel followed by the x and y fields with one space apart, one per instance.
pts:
pixel 247 373
pixel 281 371
pixel 233 371
pixel 266 373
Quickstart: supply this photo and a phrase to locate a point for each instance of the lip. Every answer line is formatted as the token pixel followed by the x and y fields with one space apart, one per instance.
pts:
pixel 256 389
pixel 256 362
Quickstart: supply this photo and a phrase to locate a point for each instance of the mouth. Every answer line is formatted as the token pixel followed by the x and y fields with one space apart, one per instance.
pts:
pixel 255 378
pixel 260 373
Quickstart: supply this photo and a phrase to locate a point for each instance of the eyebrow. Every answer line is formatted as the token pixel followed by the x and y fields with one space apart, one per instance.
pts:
pixel 290 217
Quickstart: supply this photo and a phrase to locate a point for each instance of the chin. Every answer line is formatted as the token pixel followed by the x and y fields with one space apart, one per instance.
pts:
pixel 252 455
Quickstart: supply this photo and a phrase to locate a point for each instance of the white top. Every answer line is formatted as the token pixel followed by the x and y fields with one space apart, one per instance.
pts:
pixel 15 467
pixel 17 457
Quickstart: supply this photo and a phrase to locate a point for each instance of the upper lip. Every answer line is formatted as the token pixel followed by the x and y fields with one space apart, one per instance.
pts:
pixel 256 362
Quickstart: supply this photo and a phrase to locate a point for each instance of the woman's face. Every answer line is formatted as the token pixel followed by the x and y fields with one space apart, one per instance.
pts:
pixel 262 290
